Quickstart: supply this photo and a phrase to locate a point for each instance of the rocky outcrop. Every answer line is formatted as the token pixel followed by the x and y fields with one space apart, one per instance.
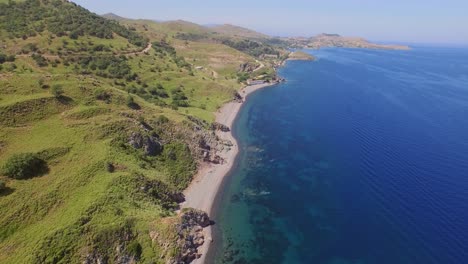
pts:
pixel 96 258
pixel 220 127
pixel 193 217
pixel 190 233
pixel 118 252
pixel 203 143
pixel 150 145
pixel 247 67
pixel 199 122
pixel 237 98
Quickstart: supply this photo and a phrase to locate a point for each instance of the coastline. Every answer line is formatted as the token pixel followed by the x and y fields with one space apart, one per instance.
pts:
pixel 203 190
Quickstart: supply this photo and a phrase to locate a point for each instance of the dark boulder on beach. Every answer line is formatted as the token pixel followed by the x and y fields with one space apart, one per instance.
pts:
pixel 220 127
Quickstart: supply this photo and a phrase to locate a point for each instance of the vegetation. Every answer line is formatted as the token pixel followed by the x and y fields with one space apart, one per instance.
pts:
pixel 57 90
pixel 106 66
pixel 23 166
pixel 40 60
pixel 100 191
pixel 251 47
pixel 179 99
pixel 62 18
pixel 4 58
pixel 2 186
pixel 179 164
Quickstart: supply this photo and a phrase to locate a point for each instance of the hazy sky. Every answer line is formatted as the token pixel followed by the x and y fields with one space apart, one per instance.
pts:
pixel 426 21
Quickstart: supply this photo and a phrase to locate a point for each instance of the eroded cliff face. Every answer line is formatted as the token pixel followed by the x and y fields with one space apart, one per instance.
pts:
pixel 191 235
pixel 186 235
pixel 203 142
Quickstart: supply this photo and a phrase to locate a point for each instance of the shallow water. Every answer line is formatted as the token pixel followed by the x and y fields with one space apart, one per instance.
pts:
pixel 360 157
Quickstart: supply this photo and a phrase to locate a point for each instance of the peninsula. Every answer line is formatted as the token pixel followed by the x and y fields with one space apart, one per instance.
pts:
pixel 337 41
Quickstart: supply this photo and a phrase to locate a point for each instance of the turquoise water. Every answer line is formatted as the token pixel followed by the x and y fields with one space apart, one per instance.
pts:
pixel 360 157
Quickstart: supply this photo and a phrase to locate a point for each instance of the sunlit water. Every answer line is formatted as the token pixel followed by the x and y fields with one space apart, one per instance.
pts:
pixel 361 157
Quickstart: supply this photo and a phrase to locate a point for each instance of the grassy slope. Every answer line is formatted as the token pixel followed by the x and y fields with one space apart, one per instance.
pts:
pixel 34 209
pixel 236 31
pixel 79 207
pixel 211 86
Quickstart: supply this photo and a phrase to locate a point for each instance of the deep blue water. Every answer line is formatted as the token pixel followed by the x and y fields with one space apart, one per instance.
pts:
pixel 360 157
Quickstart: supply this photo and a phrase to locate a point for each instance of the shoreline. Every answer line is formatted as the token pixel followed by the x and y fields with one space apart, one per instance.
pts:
pixel 206 184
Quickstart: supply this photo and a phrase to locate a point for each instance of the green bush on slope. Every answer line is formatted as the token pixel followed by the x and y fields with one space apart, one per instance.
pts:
pixel 23 166
pixel 2 186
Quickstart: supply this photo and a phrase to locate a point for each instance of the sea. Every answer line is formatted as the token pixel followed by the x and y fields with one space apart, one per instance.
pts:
pixel 359 157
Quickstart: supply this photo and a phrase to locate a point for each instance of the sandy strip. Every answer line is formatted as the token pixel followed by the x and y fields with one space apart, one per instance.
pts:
pixel 202 191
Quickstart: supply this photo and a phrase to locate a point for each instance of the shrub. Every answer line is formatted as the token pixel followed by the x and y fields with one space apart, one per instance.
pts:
pixel 162 119
pixel 131 103
pixel 57 90
pixel 110 167
pixel 134 249
pixel 23 166
pixel 102 95
pixel 40 60
pixel 2 186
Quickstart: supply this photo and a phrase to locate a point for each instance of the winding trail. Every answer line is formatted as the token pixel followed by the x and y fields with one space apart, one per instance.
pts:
pixel 259 67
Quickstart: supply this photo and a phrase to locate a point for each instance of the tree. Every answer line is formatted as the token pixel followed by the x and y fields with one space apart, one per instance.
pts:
pixel 23 166
pixel 57 90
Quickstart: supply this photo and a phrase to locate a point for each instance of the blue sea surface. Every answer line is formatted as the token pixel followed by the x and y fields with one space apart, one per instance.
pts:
pixel 360 157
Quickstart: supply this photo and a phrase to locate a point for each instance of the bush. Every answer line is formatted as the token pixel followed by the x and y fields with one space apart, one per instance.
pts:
pixel 57 90
pixel 130 102
pixel 23 166
pixel 40 60
pixel 134 249
pixel 102 95
pixel 2 186
pixel 162 119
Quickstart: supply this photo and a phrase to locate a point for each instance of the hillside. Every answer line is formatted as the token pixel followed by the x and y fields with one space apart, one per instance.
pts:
pixel 236 31
pixel 102 125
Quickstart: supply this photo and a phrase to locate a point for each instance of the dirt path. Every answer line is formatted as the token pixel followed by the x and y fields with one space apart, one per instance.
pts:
pixel 259 67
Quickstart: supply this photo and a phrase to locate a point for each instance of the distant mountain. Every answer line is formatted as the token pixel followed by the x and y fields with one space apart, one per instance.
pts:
pixel 237 31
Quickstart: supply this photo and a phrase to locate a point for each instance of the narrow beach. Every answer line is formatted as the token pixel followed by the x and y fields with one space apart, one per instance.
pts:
pixel 202 191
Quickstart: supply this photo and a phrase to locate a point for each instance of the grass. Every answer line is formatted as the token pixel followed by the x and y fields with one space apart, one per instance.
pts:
pixel 79 207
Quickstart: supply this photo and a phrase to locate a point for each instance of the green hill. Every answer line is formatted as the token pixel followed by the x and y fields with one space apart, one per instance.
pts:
pixel 102 125
pixel 236 31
